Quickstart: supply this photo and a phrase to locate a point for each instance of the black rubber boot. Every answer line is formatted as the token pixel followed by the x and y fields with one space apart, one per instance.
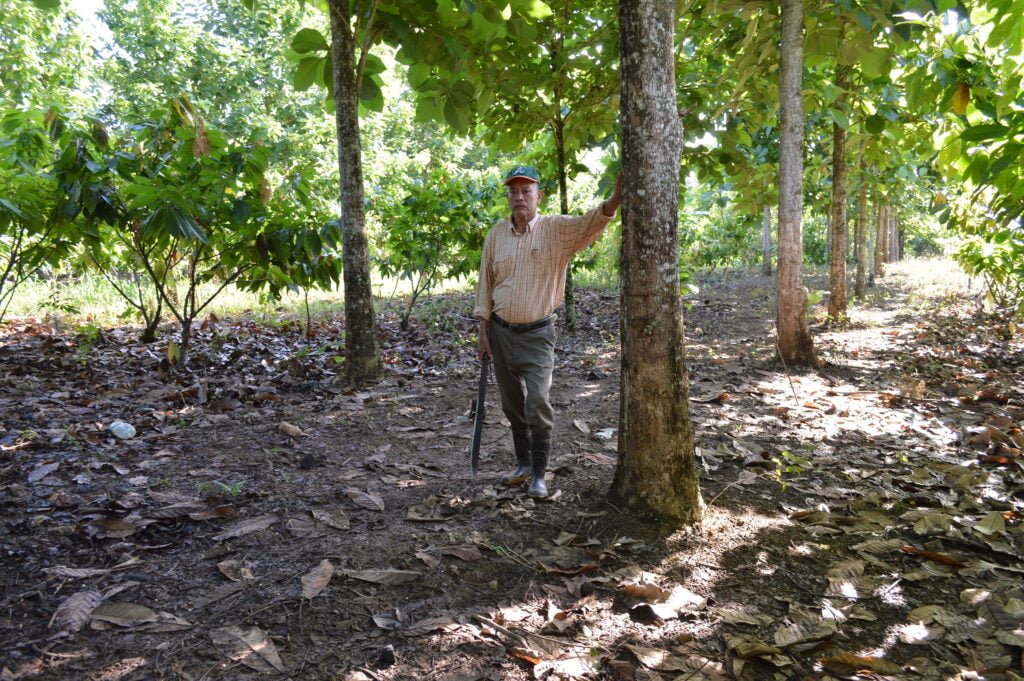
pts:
pixel 521 441
pixel 541 449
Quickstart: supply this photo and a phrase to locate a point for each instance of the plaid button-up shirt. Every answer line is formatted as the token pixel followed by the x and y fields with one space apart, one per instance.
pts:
pixel 522 276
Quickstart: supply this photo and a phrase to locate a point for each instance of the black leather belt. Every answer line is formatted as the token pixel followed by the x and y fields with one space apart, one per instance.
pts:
pixel 523 328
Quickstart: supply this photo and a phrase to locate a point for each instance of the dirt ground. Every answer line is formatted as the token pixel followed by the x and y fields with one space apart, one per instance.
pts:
pixel 266 520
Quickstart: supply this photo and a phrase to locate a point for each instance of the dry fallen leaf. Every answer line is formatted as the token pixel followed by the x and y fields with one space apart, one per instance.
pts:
pixel 235 570
pixel 383 576
pixel 374 502
pixel 252 647
pixel 247 526
pixel 127 615
pixel 42 471
pixel 430 625
pixel 290 430
pixel 74 611
pixel 848 664
pixel 315 581
pixel 336 518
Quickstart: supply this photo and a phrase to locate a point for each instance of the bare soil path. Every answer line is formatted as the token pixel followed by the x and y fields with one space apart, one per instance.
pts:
pixel 864 517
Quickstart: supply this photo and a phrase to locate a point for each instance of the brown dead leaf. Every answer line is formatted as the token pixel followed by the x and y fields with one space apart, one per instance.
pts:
pixel 645 592
pixel 658 659
pixel 290 430
pixel 304 527
pixel 252 647
pixel 430 559
pixel 461 552
pixel 387 577
pixel 316 580
pixel 75 573
pixel 112 527
pixel 235 570
pixel 581 426
pixel 336 518
pixel 368 500
pixel 430 625
pixel 247 526
pixel 848 664
pixel 940 558
pixel 42 471
pixel 74 611
pixel 215 513
pixel 127 615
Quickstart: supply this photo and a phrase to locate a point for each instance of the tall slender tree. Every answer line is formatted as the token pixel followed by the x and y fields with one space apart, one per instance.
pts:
pixel 657 471
pixel 837 298
pixel 860 234
pixel 362 357
pixel 794 337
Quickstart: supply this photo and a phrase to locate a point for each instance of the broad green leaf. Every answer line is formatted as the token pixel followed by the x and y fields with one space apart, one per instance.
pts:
pixel 47 4
pixel 840 118
pixel 874 64
pixel 370 95
pixel 456 116
pixel 418 74
pixel 538 9
pixel 309 39
pixel 306 72
pixel 978 133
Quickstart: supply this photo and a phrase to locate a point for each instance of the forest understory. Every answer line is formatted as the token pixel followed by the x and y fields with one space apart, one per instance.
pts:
pixel 266 520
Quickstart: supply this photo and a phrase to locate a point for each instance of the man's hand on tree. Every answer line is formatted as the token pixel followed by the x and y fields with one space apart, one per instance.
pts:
pixel 611 205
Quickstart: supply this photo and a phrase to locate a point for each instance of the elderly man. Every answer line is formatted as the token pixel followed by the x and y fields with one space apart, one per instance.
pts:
pixel 522 283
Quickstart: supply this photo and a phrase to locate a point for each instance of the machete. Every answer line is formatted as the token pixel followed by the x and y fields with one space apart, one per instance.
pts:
pixel 478 420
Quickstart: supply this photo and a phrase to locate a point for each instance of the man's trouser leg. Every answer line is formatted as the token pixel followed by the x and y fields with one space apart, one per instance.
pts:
pixel 523 363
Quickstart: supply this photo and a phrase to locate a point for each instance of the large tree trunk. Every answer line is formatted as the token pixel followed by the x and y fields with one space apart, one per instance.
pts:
pixel 881 229
pixel 657 470
pixel 860 235
pixel 362 358
pixel 794 338
pixel 837 297
pixel 766 242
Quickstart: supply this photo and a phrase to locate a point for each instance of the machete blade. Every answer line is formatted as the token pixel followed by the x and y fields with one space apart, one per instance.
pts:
pixel 478 420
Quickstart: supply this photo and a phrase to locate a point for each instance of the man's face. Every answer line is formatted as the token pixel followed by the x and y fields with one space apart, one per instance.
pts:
pixel 523 198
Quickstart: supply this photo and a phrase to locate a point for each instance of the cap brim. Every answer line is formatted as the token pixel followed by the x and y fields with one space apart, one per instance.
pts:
pixel 521 177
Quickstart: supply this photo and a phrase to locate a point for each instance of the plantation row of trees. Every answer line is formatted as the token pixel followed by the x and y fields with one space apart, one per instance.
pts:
pixel 196 143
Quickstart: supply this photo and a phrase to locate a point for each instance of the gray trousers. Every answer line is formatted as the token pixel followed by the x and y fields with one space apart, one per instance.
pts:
pixel 523 363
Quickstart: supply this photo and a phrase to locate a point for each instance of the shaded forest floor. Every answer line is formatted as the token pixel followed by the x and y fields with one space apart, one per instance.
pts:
pixel 864 518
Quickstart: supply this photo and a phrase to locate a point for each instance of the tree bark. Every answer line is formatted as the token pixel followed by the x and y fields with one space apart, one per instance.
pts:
pixel 794 337
pixel 766 242
pixel 362 357
pixel 657 470
pixel 881 229
pixel 563 192
pixel 860 236
pixel 894 237
pixel 837 297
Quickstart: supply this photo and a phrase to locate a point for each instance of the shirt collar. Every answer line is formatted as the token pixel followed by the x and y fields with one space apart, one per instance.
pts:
pixel 529 225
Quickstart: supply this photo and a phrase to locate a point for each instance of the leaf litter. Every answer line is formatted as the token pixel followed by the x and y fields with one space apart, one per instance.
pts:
pixel 900 491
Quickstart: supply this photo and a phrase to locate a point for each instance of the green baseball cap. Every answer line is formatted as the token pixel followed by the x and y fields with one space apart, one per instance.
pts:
pixel 525 172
